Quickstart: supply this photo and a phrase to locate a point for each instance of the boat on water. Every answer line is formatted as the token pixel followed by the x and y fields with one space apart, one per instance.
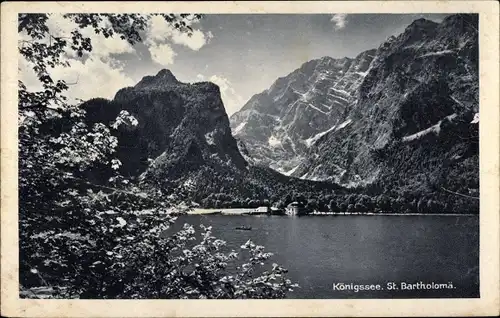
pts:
pixel 243 228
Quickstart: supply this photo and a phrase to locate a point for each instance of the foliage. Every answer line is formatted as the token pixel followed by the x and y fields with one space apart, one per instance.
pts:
pixel 87 239
pixel 135 255
pixel 379 197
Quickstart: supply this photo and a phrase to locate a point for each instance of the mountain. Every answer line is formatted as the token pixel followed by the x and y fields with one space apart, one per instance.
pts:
pixel 181 127
pixel 415 107
pixel 409 121
pixel 394 129
pixel 183 145
pixel 278 125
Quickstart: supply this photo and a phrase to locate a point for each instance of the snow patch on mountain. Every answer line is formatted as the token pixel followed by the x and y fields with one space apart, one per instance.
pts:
pixel 290 172
pixel 344 124
pixel 239 128
pixel 316 108
pixel 339 97
pixel 341 91
pixel 436 129
pixel 304 176
pixel 274 142
pixel 311 141
pixel 438 53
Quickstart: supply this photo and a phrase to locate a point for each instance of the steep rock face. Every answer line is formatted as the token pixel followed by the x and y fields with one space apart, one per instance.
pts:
pixel 414 114
pixel 183 145
pixel 278 125
pixel 181 127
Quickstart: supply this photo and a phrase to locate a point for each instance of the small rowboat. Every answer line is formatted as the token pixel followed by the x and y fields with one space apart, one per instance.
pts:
pixel 243 228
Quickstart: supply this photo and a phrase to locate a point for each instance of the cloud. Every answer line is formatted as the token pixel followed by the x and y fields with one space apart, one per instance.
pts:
pixel 95 78
pixel 88 79
pixel 162 54
pixel 99 74
pixel 231 99
pixel 339 20
pixel 159 31
pixel 101 46
pixel 195 42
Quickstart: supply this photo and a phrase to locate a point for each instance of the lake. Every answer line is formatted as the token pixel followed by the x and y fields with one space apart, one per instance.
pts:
pixel 320 251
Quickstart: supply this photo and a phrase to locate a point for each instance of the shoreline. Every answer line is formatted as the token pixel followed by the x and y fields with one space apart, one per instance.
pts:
pixel 393 214
pixel 232 212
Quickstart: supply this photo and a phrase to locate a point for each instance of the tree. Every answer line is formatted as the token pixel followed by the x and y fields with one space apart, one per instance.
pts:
pixel 332 206
pixel 312 205
pixel 281 204
pixel 93 239
pixel 422 205
pixel 218 204
pixel 383 202
pixel 287 200
pixel 359 207
pixel 300 198
pixel 343 207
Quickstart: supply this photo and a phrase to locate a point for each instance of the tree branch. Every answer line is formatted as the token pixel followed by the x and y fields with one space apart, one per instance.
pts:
pixel 113 189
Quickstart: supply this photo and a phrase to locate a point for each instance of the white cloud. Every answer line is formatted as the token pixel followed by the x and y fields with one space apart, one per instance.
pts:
pixel 162 53
pixel 101 46
pixel 159 31
pixel 89 79
pixel 195 42
pixel 95 78
pixel 340 20
pixel 99 75
pixel 231 99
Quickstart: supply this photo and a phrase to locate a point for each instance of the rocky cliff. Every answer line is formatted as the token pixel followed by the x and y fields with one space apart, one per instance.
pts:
pixel 181 127
pixel 278 125
pixel 183 145
pixel 416 106
pixel 409 117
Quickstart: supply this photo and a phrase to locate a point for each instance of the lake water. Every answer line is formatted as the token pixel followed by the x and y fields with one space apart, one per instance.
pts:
pixel 322 250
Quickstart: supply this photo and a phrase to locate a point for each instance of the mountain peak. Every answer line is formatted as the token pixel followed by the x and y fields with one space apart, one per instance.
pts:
pixel 422 24
pixel 166 74
pixel 419 30
pixel 163 78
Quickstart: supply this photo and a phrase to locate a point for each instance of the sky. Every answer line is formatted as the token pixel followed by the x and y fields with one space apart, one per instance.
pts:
pixel 242 53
